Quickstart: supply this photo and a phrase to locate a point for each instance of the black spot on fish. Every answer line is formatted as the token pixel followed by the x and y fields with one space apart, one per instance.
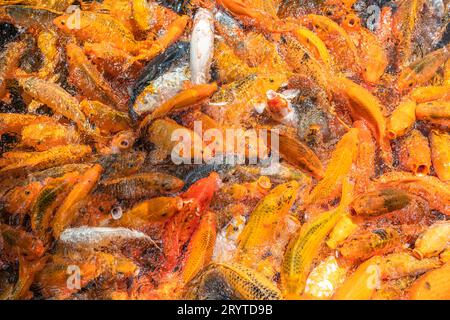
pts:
pixel 154 69
pixel 381 233
pixel 179 6
pixel 17 104
pixel 7 142
pixel 8 33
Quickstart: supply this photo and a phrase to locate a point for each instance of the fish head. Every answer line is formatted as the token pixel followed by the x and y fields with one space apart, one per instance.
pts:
pixel 172 184
pixel 123 141
pixel 405 81
pixel 64 24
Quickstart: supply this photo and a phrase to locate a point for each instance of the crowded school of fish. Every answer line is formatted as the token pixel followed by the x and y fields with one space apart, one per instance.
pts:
pixel 92 205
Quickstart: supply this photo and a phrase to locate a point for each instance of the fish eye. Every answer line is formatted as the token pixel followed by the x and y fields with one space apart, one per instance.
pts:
pixel 27 192
pixel 124 143
pixel 116 212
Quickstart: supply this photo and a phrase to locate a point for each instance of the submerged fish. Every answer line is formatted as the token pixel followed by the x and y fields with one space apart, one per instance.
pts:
pixel 96 237
pixel 30 17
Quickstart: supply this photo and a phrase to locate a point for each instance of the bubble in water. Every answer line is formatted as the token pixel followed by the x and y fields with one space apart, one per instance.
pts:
pixel 116 213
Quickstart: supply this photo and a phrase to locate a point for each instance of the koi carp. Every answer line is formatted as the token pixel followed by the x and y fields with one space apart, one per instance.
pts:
pixel 57 99
pixel 84 75
pixel 415 154
pixel 46 159
pixel 304 246
pixel 402 119
pixel 422 70
pixel 143 185
pixel 365 106
pixel 202 46
pixel 149 211
pixel 434 191
pixel 180 227
pixel 440 154
pixel 380 202
pixel 263 221
pixel 248 283
pixel 65 213
pixel 16 122
pixel 433 285
pixel 201 246
pixel 301 156
pixel 433 241
pixel 361 284
pixel 104 117
pixel 44 136
pixel 338 168
pixel 437 112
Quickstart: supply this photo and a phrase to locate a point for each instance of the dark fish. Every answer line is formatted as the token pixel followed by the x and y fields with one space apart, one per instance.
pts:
pixel 179 6
pixel 8 33
pixel 311 115
pixel 155 68
pixel 199 172
pixel 209 285
pixel 116 165
pixel 29 17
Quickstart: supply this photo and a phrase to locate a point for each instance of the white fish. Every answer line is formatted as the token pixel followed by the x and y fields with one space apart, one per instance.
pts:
pixel 325 278
pixel 226 241
pixel 202 46
pixel 91 237
pixel 287 115
pixel 162 88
